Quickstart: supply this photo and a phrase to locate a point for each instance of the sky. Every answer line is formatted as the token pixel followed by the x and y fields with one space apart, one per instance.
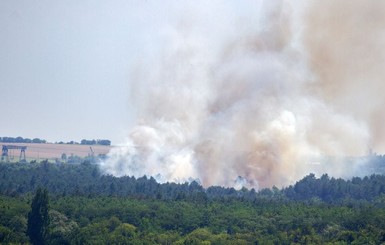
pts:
pixel 211 90
pixel 64 69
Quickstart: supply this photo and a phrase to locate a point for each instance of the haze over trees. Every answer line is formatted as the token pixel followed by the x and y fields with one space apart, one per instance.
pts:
pixel 86 179
pixel 86 207
pixel 95 142
pixel 20 139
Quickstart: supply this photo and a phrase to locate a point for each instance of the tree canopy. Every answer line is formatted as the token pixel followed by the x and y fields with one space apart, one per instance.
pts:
pixel 79 205
pixel 38 218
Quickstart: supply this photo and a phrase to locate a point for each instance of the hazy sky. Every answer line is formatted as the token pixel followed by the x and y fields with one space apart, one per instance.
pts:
pixel 64 68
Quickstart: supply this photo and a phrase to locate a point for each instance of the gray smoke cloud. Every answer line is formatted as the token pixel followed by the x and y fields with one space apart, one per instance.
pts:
pixel 259 89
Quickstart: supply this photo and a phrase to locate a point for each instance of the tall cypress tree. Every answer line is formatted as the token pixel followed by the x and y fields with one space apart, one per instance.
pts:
pixel 38 219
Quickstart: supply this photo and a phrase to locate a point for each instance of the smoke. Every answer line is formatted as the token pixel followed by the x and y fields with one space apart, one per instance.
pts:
pixel 254 92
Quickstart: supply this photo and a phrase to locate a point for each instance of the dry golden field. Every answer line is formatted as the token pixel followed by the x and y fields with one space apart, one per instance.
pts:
pixel 53 151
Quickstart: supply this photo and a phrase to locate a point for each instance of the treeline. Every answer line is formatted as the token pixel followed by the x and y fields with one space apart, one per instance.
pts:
pixel 95 142
pixel 41 141
pixel 87 142
pixel 86 180
pixel 332 190
pixel 87 207
pixel 21 140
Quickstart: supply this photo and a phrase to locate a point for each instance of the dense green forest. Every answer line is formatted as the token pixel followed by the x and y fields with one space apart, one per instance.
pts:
pixel 86 207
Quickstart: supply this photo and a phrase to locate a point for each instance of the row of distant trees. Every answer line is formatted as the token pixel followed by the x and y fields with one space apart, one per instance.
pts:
pixel 41 141
pixel 21 140
pixel 95 142
pixel 88 142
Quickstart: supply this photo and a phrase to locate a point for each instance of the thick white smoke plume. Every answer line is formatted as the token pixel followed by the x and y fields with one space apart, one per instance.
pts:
pixel 257 89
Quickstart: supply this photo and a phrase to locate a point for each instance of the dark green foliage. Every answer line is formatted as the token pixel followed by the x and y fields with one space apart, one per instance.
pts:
pixel 85 179
pixel 333 190
pixel 38 218
pixel 61 228
pixel 118 220
pixel 90 208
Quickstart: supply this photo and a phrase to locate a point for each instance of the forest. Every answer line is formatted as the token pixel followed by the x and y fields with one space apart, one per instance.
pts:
pixel 84 206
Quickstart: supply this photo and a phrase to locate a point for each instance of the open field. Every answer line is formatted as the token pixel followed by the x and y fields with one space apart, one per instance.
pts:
pixel 53 151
